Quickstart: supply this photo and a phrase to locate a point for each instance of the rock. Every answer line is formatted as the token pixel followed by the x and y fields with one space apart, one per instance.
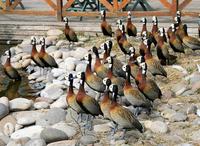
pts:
pixel 196 87
pixel 43 99
pixel 68 129
pixel 50 40
pixel 3 110
pixel 40 79
pixel 26 63
pixel 57 72
pixel 66 54
pixel 167 113
pixel 185 144
pixel 192 109
pixel 34 75
pixel 36 142
pixel 18 126
pixel 195 135
pixel 193 78
pixel 31 132
pixel 52 91
pixel 51 49
pixel 63 143
pixel 17 65
pixel 5 139
pixel 177 117
pixel 156 126
pixel 52 135
pixel 180 88
pixel 16 58
pixel 57 54
pixel 18 142
pixel 41 105
pixel 88 139
pixel 80 67
pixel 102 128
pixel 54 32
pixel 20 104
pixel 4 100
pixel 53 116
pixel 70 63
pixel 60 103
pixel 198 112
pixel 62 43
pixel 8 129
pixel 79 53
pixel 168 94
pixel 5 120
pixel 2 143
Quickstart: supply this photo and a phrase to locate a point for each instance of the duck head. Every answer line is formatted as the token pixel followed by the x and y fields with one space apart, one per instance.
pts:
pixel 154 20
pixel 109 44
pixel 114 89
pixel 143 20
pixel 42 41
pixel 65 19
pixel 107 82
pixel 33 40
pixel 140 59
pixel 103 14
pixel 119 22
pixel 143 66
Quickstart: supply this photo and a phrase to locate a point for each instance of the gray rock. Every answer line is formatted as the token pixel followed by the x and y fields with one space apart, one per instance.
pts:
pixel 51 49
pixel 102 128
pixel 5 120
pixel 68 129
pixel 44 99
pixel 196 87
pixel 36 142
pixel 51 40
pixel 3 110
pixel 2 143
pixel 184 144
pixel 53 116
pixel 4 100
pixel 20 104
pixel 26 63
pixel 80 67
pixel 17 65
pixel 180 88
pixel 88 139
pixel 54 32
pixel 5 139
pixel 177 117
pixel 53 135
pixel 79 53
pixel 31 132
pixel 63 143
pixel 8 128
pixel 156 126
pixel 60 103
pixel 70 63
pixel 18 142
pixel 167 113
pixel 57 72
pixel 192 109
pixel 41 105
pixel 57 54
pixel 195 135
pixel 193 78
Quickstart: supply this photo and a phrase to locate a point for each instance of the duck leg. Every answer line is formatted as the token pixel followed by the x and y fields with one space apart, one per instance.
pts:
pixel 114 129
pixel 124 133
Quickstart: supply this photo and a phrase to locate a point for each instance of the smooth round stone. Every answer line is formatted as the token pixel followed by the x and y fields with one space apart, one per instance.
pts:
pixel 4 100
pixel 16 58
pixel 59 83
pixel 2 143
pixel 44 99
pixel 177 117
pixel 68 129
pixel 81 67
pixel 53 135
pixel 41 105
pixel 18 142
pixel 17 65
pixel 36 142
pixel 79 53
pixel 52 91
pixel 5 139
pixel 102 128
pixel 5 120
pixel 51 49
pixel 195 135
pixel 63 143
pixel 40 79
pixel 3 110
pixel 26 121
pixel 57 72
pixel 31 132
pixel 18 126
pixel 53 116
pixel 180 88
pixel 70 63
pixel 51 40
pixel 26 63
pixel 66 54
pixel 9 128
pixel 88 139
pixel 34 75
pixel 60 102
pixel 57 54
pixel 54 32
pixel 20 104
pixel 156 126
pixel 26 56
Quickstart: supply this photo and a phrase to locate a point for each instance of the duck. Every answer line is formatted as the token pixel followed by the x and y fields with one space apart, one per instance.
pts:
pixel 149 35
pixel 142 46
pixel 92 80
pixel 35 54
pixel 121 115
pixel 163 51
pixel 71 96
pixel 133 94
pixel 69 32
pixel 154 66
pixel 99 68
pixel 105 103
pixel 107 47
pixel 130 27
pixel 154 30
pixel 105 27
pixel 174 41
pixel 147 86
pixel 118 32
pixel 47 59
pixel 9 70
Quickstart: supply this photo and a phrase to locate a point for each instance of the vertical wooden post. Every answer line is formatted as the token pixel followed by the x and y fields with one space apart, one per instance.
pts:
pixel 115 5
pixel 59 9
pixel 174 7
pixel 7 4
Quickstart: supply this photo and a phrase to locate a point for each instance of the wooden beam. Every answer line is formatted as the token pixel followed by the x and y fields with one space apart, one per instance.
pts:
pixel 184 4
pixel 107 5
pixel 7 4
pixel 189 13
pixel 123 4
pixel 51 4
pixel 14 5
pixel 2 5
pixel 29 12
pixel 68 4
pixel 174 7
pixel 115 5
pixel 165 3
pixel 59 9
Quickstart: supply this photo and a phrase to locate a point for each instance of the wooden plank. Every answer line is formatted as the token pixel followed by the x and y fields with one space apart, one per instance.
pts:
pixel 2 5
pixel 107 5
pixel 174 7
pixel 7 4
pixel 29 12
pixel 59 10
pixel 115 5
pixel 189 13
pixel 184 4
pixel 123 4
pixel 51 4
pixel 165 3
pixel 68 4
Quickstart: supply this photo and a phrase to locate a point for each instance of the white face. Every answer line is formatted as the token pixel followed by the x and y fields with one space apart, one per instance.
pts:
pixel 108 59
pixel 105 80
pixel 144 33
pixel 65 19
pixel 143 20
pixel 119 22
pixel 176 19
pixel 132 50
pixel 124 67
pixel 120 27
pixel 110 65
pixel 178 13
pixel 145 42
pixel 143 65
pixel 102 46
pixel 139 59
pixel 42 39
pixel 86 57
pixel 6 53
pixel 111 87
pixel 102 12
pixel 173 27
pixel 129 12
pixel 154 19
pixel 107 43
pixel 79 75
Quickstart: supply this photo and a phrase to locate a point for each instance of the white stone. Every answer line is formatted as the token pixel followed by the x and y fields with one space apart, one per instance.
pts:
pixel 70 63
pixel 41 78
pixel 54 32
pixel 17 65
pixel 51 49
pixel 57 72
pixel 18 126
pixel 41 105
pixel 81 67
pixel 79 53
pixel 31 132
pixel 156 126
pixel 26 56
pixel 57 54
pixel 36 142
pixel 51 40
pixel 34 75
pixel 4 100
pixel 195 135
pixel 59 83
pixel 20 104
pixel 63 143
pixel 16 58
pixel 60 103
pixel 26 63
pixel 8 129
pixel 52 91
pixel 102 128
pixel 66 54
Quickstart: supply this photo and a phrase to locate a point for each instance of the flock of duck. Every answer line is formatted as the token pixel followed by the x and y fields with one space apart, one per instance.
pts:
pixel 114 79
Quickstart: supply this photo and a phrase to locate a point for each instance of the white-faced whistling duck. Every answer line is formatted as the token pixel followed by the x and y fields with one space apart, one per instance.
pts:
pixel 35 55
pixel 118 32
pixel 105 27
pixel 92 80
pixel 99 68
pixel 133 94
pixel 147 86
pixel 121 115
pixel 130 27
pixel 47 59
pixel 9 70
pixel 133 63
pixel 70 33
pixel 154 30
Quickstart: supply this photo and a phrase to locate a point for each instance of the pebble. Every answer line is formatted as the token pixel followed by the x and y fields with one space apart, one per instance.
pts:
pixel 53 116
pixel 5 139
pixel 54 32
pixel 31 132
pixel 18 142
pixel 41 105
pixel 44 99
pixel 5 120
pixel 88 139
pixel 70 63
pixel 26 63
pixel 57 54
pixel 196 87
pixel 18 126
pixel 68 129
pixel 3 110
pixel 177 117
pixel 60 102
pixel 102 128
pixel 80 67
pixel 20 104
pixel 2 143
pixel 4 100
pixel 51 40
pixel 156 126
pixel 53 135
pixel 62 43
pixel 34 75
pixel 63 143
pixel 198 112
pixel 79 53
pixel 51 49
pixel 167 113
pixel 180 88
pixel 36 142
pixel 17 65
pixel 195 135
pixel 8 129
pixel 184 144
pixel 52 91
pixel 193 78
pixel 192 109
